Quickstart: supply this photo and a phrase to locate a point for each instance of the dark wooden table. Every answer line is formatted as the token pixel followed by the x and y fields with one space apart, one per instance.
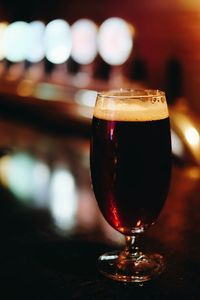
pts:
pixel 44 255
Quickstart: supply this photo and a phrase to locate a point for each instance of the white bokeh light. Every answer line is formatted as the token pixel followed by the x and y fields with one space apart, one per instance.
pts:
pixel 84 41
pixel 58 42
pixel 63 198
pixel 86 97
pixel 177 144
pixel 35 41
pixel 19 175
pixel 15 41
pixel 115 41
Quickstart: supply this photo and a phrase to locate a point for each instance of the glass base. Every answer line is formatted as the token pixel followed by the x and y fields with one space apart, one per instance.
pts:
pixel 137 267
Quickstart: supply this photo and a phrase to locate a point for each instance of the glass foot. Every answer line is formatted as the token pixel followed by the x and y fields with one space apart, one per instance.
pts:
pixel 137 267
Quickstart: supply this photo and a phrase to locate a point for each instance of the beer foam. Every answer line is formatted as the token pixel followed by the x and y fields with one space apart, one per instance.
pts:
pixel 127 110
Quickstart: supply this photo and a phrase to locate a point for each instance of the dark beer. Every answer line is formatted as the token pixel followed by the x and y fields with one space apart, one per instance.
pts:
pixel 130 169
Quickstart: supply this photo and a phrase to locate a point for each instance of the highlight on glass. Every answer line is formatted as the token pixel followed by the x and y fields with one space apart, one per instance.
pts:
pixel 130 162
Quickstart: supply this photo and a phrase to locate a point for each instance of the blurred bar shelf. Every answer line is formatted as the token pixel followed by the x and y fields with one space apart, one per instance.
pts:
pixel 44 102
pixel 68 109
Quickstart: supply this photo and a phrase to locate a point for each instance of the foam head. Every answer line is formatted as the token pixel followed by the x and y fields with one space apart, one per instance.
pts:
pixel 131 105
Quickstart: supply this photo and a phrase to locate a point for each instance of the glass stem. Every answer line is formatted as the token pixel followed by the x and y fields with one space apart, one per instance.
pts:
pixel 131 248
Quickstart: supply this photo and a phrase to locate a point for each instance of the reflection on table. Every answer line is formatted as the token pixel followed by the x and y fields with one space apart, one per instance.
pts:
pixel 52 231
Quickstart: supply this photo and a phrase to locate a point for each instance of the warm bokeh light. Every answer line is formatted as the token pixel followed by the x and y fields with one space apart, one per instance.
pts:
pixel 192 136
pixel 35 41
pixel 57 39
pixel 84 41
pixel 115 41
pixel 15 41
pixel 187 129
pixel 3 26
pixel 25 88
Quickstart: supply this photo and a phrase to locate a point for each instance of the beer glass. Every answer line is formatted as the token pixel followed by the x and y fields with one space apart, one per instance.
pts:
pixel 130 161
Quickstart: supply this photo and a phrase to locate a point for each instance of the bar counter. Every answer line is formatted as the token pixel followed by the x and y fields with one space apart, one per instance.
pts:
pixel 49 248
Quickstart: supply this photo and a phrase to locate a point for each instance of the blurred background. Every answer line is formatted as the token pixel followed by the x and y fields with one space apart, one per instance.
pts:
pixel 54 57
pixel 166 35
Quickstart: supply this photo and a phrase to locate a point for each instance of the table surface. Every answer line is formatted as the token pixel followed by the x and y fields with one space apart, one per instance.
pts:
pixel 50 252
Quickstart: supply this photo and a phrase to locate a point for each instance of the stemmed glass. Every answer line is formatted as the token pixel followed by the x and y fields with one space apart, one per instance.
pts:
pixel 130 162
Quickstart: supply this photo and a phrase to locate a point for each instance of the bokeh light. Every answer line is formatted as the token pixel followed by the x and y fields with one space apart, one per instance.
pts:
pixel 35 41
pixel 63 198
pixel 84 41
pixel 192 136
pixel 3 26
pixel 57 39
pixel 115 41
pixel 15 41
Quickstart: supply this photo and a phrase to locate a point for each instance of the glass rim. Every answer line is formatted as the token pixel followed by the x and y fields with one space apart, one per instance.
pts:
pixel 129 93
